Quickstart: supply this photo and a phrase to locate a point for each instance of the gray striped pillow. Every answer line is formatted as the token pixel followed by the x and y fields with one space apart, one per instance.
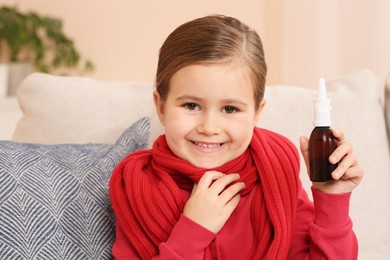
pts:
pixel 54 201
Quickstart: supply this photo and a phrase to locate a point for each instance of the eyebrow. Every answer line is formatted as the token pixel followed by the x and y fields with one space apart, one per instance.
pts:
pixel 197 99
pixel 185 97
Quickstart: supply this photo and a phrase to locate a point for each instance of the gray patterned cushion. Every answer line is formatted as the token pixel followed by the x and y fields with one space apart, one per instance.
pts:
pixel 54 201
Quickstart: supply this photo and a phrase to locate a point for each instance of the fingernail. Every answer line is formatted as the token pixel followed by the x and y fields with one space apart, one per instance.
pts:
pixel 333 159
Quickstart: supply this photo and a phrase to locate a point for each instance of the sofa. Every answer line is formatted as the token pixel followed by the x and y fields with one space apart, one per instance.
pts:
pixel 72 131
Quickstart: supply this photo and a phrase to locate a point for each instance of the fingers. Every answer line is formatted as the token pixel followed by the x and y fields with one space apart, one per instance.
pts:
pixel 216 182
pixel 232 194
pixel 348 168
pixel 213 199
pixel 343 166
pixel 354 174
pixel 340 152
pixel 344 148
pixel 220 184
pixel 339 134
pixel 227 195
pixel 232 203
pixel 348 165
pixel 348 173
pixel 208 178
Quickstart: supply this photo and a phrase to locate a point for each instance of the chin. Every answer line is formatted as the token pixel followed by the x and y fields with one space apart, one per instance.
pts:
pixel 207 165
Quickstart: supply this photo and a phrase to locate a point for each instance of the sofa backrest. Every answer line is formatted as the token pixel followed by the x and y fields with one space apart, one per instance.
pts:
pixel 79 110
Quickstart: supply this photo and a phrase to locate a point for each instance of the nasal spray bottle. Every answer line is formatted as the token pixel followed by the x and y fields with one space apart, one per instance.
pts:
pixel 321 142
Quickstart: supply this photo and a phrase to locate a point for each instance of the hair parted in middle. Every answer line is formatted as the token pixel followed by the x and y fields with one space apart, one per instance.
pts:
pixel 209 40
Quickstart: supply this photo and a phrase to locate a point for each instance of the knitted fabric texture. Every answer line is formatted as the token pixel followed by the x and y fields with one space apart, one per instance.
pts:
pixel 146 198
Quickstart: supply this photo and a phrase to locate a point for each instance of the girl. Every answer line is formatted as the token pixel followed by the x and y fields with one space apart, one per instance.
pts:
pixel 214 185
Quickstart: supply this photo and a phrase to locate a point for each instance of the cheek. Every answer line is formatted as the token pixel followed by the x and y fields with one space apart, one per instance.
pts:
pixel 176 124
pixel 243 131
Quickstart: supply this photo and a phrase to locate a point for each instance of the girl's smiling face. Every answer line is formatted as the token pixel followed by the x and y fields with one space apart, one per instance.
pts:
pixel 209 113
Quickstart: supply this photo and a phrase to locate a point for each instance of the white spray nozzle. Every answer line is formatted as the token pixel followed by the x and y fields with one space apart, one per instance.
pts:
pixel 321 94
pixel 322 106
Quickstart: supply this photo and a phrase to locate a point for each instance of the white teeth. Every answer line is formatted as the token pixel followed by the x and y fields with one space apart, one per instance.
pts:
pixel 209 146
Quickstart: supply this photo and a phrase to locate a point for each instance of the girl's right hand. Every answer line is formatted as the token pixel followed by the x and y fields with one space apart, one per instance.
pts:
pixel 211 203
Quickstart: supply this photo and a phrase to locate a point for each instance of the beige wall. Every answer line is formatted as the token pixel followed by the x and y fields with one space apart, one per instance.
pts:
pixel 331 37
pixel 303 39
pixel 123 37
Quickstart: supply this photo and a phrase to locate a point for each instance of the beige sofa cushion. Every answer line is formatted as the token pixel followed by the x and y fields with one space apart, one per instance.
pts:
pixel 61 110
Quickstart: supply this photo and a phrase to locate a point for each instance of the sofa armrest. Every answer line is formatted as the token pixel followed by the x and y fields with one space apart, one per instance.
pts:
pixel 10 114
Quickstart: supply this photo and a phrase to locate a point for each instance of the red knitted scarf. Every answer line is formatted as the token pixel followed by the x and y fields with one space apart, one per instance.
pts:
pixel 146 198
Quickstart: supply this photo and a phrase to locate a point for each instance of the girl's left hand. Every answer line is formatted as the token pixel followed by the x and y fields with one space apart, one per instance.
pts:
pixel 348 173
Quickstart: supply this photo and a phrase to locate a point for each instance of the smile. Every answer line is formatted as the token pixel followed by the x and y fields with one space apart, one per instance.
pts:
pixel 207 145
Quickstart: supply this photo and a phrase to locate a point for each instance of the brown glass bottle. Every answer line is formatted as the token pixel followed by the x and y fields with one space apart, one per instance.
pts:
pixel 321 145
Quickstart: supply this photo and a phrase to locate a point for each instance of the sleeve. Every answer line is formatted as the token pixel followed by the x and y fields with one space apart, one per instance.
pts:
pixel 188 240
pixel 323 230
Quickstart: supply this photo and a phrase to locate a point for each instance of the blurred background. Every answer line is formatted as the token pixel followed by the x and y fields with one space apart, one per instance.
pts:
pixel 303 39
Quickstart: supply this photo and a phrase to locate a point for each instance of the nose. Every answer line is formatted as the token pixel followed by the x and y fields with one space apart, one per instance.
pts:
pixel 209 124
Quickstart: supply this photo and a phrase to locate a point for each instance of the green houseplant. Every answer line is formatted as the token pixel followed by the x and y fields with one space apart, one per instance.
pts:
pixel 38 40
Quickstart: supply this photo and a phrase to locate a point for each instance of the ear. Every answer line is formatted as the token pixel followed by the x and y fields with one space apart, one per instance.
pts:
pixel 160 106
pixel 260 110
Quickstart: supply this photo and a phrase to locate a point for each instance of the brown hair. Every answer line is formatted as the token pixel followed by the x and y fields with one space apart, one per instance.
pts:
pixel 208 40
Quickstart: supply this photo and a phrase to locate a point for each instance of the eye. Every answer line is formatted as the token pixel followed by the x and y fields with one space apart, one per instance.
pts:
pixel 230 109
pixel 191 106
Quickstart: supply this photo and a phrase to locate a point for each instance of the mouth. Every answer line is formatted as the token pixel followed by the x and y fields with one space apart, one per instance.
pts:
pixel 208 145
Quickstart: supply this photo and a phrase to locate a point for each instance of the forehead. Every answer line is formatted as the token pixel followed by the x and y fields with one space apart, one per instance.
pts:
pixel 217 77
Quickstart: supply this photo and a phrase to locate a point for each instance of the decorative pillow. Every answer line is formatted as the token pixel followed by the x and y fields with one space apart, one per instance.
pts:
pixel 54 201
pixel 357 110
pixel 64 109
